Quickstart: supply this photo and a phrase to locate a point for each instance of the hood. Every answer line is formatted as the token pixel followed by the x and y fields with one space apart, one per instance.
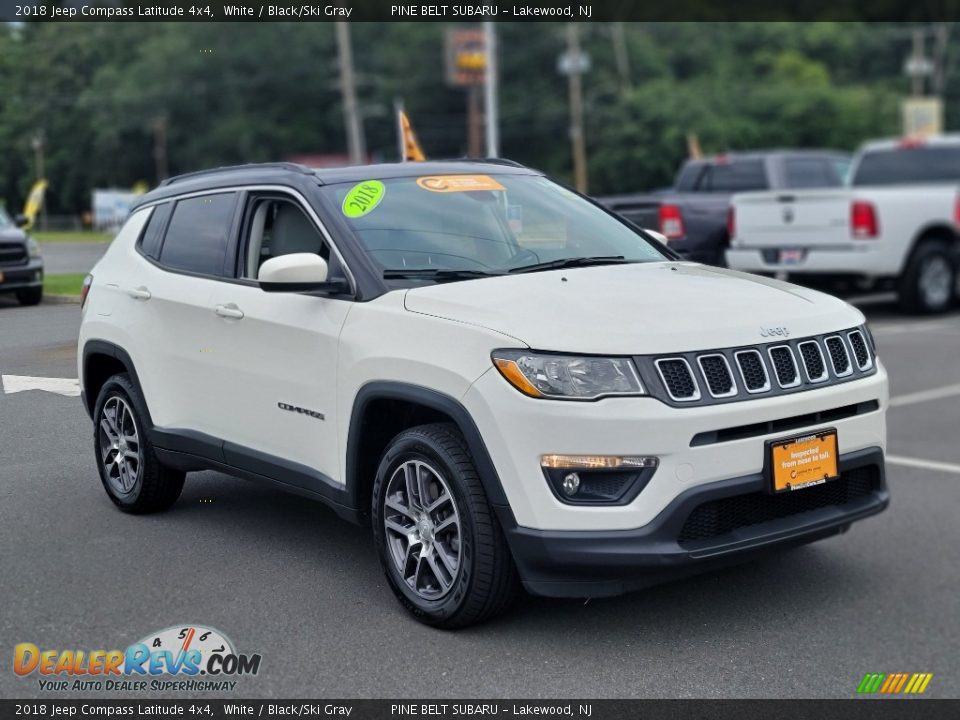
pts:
pixel 635 309
pixel 12 235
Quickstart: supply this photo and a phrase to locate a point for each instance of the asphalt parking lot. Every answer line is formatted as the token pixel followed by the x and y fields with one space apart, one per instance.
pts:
pixel 285 578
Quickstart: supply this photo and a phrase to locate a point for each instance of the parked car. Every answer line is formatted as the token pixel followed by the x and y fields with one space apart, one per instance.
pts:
pixel 475 362
pixel 693 214
pixel 894 227
pixel 21 266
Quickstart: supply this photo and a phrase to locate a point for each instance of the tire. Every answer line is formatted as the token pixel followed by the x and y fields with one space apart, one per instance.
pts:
pixel 30 296
pixel 139 486
pixel 929 281
pixel 467 574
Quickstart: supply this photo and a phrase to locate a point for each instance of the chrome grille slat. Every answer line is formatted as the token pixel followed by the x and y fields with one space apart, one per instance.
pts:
pixel 839 357
pixel 753 372
pixel 717 375
pixel 815 365
pixel 675 372
pixel 784 361
pixel 861 351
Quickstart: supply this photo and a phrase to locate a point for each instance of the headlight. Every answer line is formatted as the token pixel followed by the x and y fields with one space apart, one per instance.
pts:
pixel 567 377
pixel 33 248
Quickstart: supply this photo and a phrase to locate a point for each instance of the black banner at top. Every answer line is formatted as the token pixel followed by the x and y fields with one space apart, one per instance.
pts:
pixel 466 11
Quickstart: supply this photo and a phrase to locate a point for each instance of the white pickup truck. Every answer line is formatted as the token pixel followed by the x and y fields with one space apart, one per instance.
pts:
pixel 896 225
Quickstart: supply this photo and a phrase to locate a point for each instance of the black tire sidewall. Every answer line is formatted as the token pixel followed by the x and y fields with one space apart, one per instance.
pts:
pixel 411 446
pixel 117 387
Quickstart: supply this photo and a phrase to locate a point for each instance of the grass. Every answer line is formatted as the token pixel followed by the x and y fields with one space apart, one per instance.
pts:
pixel 63 283
pixel 70 236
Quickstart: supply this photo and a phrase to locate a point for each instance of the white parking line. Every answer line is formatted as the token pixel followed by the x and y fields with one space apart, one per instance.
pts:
pixel 924 464
pixel 914 327
pixel 70 387
pixel 925 395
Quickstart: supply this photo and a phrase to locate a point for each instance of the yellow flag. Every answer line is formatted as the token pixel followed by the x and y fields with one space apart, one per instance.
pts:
pixel 31 208
pixel 411 148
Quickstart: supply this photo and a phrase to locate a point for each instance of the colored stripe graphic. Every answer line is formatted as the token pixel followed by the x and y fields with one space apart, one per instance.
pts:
pixel 894 683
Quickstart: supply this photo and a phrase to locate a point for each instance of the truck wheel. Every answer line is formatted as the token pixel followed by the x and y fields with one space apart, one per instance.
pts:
pixel 439 542
pixel 30 296
pixel 929 281
pixel 133 477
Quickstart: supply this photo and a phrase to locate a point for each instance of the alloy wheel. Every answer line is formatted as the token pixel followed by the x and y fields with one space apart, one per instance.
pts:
pixel 422 528
pixel 119 442
pixel 936 280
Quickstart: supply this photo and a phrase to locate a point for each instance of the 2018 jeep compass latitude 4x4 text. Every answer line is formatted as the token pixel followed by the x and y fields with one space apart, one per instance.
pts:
pixel 510 385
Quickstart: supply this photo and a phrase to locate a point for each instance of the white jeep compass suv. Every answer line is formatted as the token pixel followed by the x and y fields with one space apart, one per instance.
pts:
pixel 508 383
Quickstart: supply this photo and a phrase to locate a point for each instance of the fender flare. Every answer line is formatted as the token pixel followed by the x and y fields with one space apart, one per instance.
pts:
pixel 102 347
pixel 392 390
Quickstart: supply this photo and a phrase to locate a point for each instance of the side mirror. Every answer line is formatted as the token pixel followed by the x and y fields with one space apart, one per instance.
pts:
pixel 298 272
pixel 658 235
pixel 21 221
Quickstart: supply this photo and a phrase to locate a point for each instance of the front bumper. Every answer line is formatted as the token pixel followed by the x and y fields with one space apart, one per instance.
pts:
pixel 705 527
pixel 18 277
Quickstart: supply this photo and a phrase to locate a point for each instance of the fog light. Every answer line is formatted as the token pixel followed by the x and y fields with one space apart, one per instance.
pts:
pixel 571 483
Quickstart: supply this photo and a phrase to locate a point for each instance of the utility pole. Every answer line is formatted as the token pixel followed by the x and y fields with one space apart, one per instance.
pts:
pixel 619 41
pixel 918 59
pixel 351 113
pixel 575 88
pixel 490 91
pixel 160 147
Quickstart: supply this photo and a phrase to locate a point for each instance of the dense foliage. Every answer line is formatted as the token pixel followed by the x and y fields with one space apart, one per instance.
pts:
pixel 249 92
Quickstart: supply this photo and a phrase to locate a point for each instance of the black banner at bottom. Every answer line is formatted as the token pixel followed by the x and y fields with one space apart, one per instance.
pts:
pixel 853 709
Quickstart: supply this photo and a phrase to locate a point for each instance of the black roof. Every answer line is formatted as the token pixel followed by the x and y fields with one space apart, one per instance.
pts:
pixel 283 173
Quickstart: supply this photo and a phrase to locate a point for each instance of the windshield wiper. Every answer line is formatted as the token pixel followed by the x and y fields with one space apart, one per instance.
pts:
pixel 439 274
pixel 572 263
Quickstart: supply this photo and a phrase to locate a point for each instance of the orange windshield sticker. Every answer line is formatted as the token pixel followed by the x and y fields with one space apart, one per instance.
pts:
pixel 458 183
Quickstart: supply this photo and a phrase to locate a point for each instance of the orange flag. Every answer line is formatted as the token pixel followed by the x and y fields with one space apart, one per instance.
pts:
pixel 411 148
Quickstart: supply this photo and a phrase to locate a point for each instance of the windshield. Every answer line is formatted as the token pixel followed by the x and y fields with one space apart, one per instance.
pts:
pixel 5 220
pixel 905 166
pixel 480 223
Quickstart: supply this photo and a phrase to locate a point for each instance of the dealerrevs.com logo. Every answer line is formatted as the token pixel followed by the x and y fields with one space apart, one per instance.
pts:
pixel 189 658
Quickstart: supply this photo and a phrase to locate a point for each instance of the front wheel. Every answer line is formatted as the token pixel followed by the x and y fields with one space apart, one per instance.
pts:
pixel 440 545
pixel 929 281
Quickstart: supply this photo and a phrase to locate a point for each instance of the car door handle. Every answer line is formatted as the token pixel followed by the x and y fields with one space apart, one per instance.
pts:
pixel 229 311
pixel 139 293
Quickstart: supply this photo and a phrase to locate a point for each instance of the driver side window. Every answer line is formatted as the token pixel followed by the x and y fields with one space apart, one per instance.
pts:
pixel 275 226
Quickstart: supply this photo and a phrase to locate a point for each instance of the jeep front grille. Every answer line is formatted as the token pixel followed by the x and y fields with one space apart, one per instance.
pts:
pixel 741 373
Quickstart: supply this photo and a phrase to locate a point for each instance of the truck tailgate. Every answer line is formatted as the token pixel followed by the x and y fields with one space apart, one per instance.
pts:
pixel 799 219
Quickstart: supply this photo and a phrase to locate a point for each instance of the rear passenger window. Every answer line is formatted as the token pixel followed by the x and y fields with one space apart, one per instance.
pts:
pixel 736 176
pixel 810 173
pixel 153 233
pixel 198 233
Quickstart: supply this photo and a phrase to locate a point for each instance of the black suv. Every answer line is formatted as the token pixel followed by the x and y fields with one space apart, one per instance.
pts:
pixel 21 267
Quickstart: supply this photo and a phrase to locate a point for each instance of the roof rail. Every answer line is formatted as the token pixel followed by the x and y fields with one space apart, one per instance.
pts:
pixel 292 167
pixel 488 161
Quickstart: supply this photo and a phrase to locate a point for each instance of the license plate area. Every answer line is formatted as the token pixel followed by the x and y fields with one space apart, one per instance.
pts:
pixel 802 461
pixel 791 257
